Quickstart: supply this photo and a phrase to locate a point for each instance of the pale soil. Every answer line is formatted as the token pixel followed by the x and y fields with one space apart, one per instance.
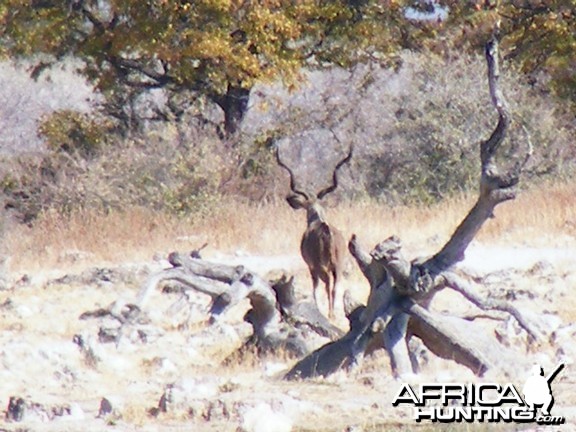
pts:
pixel 39 361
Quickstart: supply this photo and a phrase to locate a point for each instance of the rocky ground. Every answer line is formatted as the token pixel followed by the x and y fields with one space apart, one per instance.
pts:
pixel 62 373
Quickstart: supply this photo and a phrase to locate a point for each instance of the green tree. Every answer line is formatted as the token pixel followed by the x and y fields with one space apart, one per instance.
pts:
pixel 215 49
pixel 537 35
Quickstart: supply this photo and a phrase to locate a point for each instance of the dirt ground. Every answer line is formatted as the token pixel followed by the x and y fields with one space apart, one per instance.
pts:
pixel 41 360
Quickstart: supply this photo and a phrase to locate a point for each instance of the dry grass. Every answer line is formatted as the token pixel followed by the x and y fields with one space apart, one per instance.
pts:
pixel 271 229
pixel 544 215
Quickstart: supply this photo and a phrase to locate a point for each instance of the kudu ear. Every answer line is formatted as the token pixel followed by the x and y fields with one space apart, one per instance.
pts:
pixel 297 201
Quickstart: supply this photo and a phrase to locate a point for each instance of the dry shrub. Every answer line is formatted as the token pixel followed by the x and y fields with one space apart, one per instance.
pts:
pixel 168 167
pixel 152 171
pixel 543 215
pixel 416 128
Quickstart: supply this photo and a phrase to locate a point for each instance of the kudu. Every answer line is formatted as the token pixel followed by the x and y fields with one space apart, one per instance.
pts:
pixel 323 246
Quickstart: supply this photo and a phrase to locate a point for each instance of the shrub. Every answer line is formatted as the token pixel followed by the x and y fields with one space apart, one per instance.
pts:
pixel 74 132
pixel 150 171
pixel 416 127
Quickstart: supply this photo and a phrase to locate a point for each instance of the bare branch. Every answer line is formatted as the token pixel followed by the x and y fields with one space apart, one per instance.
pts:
pixel 363 259
pixel 396 346
pixel 457 283
pixel 98 25
pixel 160 78
pixel 519 168
pixel 447 338
pixel 489 147
pixel 495 187
pixel 388 253
pixel 203 285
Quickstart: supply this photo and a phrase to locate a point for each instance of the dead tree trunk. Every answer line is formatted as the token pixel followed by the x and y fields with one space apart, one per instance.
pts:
pixel 278 320
pixel 402 290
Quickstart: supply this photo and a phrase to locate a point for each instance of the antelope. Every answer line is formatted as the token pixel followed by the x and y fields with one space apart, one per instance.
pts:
pixel 322 246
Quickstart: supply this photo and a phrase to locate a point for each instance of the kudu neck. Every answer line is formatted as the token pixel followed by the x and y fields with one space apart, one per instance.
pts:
pixel 315 213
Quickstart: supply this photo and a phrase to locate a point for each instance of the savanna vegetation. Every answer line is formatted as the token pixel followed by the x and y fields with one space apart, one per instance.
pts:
pixel 132 128
pixel 177 105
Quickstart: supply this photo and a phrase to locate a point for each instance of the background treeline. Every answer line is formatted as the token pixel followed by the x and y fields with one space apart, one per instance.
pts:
pixel 177 105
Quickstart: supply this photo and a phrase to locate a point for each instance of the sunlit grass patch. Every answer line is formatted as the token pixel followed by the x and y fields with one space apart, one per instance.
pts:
pixel 544 215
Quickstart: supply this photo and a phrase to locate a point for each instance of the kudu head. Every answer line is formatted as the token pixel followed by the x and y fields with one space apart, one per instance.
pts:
pixel 299 198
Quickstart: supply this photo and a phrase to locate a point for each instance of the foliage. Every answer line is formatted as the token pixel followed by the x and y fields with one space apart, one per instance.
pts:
pixel 73 132
pixel 152 171
pixel 217 49
pixel 415 117
pixel 416 127
pixel 537 35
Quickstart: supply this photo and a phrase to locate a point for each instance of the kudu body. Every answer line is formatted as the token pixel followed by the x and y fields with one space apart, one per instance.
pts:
pixel 323 246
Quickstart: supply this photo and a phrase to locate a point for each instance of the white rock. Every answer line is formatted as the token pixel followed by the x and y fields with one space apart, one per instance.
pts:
pixel 24 311
pixel 76 412
pixel 274 368
pixel 167 367
pixel 262 418
pixel 197 389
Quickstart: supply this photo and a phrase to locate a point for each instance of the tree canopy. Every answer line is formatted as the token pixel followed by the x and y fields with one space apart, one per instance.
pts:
pixel 537 35
pixel 215 48
pixel 218 49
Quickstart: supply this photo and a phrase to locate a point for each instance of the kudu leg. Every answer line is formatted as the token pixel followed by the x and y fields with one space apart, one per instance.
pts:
pixel 330 301
pixel 333 293
pixel 329 287
pixel 315 281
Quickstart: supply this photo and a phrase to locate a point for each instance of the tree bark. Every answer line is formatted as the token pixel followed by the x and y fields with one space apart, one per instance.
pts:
pixel 234 104
pixel 401 290
pixel 279 321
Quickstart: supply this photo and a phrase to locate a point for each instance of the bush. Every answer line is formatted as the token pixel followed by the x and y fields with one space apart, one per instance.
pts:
pixel 150 171
pixel 416 127
pixel 74 133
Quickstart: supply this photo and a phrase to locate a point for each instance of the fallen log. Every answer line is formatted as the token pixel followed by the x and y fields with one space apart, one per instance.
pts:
pixel 279 321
